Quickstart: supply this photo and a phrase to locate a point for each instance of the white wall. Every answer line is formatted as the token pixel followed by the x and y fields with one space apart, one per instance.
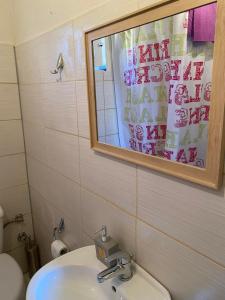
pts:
pixel 33 18
pixel 6 22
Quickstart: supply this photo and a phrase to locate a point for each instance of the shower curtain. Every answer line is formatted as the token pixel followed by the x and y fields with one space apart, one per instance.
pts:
pixel 163 87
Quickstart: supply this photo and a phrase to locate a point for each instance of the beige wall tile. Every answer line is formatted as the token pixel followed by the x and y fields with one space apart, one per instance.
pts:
pixel 11 137
pixel 43 220
pixel 11 232
pixel 97 212
pixel 37 174
pixel 52 44
pixel 12 170
pixel 59 191
pixel 7 64
pixel 60 109
pixel 82 109
pixel 46 217
pixel 185 273
pixel 15 200
pixel 44 52
pixel 64 194
pixel 35 140
pixel 110 178
pixel 79 52
pixel 63 153
pixel 192 214
pixel 32 100
pixel 86 240
pixel 26 55
pixel 9 102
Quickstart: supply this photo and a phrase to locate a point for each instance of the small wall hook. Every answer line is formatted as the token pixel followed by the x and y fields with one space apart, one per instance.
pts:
pixel 59 67
pixel 59 229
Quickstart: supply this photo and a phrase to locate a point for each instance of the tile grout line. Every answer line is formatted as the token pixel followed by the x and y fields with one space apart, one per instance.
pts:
pixel 24 143
pixel 12 154
pixel 77 123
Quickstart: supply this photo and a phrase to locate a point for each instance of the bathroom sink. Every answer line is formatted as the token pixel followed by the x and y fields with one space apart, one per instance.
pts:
pixel 73 277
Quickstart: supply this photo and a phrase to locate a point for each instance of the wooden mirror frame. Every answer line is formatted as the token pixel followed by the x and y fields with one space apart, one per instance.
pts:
pixel 211 176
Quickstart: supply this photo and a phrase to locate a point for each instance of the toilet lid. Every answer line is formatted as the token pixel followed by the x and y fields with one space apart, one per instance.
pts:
pixel 11 278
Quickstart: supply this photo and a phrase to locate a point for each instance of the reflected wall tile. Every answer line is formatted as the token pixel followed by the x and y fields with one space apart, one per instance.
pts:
pixel 192 214
pixel 96 211
pixel 184 272
pixel 113 140
pixel 109 94
pixel 101 123
pixel 111 122
pixel 9 102
pixel 110 178
pixel 100 101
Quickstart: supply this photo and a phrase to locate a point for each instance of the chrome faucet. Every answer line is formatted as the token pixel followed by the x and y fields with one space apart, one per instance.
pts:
pixel 119 266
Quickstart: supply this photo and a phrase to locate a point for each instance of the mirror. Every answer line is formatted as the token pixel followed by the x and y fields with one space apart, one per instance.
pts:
pixel 153 86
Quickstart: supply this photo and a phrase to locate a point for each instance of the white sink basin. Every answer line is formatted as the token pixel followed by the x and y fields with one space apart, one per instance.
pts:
pixel 73 277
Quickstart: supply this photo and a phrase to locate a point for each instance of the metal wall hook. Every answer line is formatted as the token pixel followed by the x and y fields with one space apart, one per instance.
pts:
pixel 59 229
pixel 59 67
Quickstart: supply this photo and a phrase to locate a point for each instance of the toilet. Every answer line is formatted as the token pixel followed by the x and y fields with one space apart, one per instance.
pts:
pixel 11 277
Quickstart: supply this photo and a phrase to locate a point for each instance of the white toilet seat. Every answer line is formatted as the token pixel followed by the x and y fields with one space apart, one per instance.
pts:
pixel 11 279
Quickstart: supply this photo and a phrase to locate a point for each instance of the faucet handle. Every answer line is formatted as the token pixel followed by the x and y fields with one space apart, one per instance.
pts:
pixel 121 257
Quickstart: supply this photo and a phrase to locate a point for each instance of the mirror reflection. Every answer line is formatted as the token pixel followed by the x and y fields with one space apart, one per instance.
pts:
pixel 153 86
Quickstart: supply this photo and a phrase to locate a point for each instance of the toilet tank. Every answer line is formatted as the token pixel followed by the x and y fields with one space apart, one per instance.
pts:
pixel 1 228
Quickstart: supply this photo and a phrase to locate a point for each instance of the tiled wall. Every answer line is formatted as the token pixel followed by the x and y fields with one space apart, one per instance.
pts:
pixel 175 229
pixel 14 196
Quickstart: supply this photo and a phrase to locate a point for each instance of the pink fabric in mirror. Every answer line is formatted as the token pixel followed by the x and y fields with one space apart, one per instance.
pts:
pixel 201 23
